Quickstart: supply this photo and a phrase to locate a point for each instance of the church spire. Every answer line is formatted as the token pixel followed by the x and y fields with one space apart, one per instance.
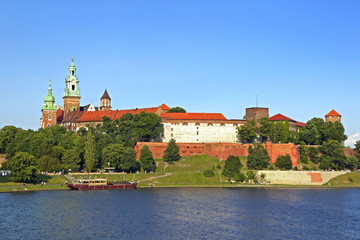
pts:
pixel 72 82
pixel 49 103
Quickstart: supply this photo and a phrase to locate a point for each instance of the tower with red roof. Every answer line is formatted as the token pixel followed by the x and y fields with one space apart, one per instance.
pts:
pixel 333 116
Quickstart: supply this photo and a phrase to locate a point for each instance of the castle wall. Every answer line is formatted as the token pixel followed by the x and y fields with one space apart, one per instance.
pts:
pixel 193 132
pixel 220 150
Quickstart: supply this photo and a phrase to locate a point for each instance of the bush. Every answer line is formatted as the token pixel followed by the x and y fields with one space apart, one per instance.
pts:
pixel 271 168
pixel 305 168
pixel 240 177
pixel 296 169
pixel 284 162
pixel 209 173
pixel 250 175
pixel 218 167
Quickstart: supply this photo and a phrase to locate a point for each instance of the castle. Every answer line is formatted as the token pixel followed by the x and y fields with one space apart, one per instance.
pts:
pixel 183 127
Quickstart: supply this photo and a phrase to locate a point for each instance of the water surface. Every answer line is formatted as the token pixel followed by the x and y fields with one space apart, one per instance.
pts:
pixel 182 213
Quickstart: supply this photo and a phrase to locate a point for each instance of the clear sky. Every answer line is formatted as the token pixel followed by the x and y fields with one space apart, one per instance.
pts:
pixel 302 58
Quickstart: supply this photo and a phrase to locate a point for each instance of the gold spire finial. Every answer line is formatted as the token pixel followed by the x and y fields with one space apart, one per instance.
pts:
pixel 72 59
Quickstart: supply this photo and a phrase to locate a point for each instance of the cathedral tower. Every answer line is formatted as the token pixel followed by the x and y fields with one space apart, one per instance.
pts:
pixel 105 102
pixel 49 110
pixel 72 91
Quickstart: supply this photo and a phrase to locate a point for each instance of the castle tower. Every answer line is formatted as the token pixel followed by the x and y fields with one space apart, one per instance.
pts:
pixel 333 116
pixel 72 91
pixel 49 110
pixel 105 102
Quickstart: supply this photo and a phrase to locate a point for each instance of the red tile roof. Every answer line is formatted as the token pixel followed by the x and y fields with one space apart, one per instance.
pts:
pixel 280 117
pixel 300 124
pixel 97 116
pixel 164 107
pixel 193 116
pixel 332 113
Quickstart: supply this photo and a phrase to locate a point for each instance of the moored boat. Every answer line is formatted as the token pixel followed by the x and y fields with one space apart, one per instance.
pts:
pixel 99 184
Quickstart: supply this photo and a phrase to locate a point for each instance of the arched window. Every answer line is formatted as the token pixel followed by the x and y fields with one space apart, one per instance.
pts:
pixel 48 125
pixel 49 117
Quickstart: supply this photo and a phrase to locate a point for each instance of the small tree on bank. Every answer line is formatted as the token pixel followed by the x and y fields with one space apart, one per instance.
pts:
pixel 232 167
pixel 171 153
pixel 146 159
pixel 284 162
pixel 258 157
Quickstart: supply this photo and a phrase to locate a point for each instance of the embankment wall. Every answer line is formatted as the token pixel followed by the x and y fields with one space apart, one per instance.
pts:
pixel 300 177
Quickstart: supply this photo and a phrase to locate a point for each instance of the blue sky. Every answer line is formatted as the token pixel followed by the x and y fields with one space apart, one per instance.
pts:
pixel 302 58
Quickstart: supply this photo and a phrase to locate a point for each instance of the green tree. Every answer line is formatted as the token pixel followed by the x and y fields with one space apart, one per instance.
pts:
pixel 265 129
pixel 239 177
pixel 333 155
pixel 232 166
pixel 284 162
pixel 250 175
pixel 303 151
pixel 280 133
pixel 247 132
pixel 171 153
pixel 314 155
pixel 48 163
pixel 335 131
pixel 112 155
pixel 176 110
pixel 71 160
pixel 90 152
pixel 146 159
pixel 128 160
pixel 314 132
pixel 22 167
pixel 7 134
pixel 258 157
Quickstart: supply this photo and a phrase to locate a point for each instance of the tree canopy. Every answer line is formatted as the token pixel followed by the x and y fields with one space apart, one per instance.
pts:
pixel 284 162
pixel 176 110
pixel 258 157
pixel 22 167
pixel 232 166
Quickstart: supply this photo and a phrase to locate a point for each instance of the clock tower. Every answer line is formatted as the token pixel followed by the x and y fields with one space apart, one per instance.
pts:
pixel 72 91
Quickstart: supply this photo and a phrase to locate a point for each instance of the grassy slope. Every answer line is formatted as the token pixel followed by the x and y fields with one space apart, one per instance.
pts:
pixel 346 180
pixel 51 183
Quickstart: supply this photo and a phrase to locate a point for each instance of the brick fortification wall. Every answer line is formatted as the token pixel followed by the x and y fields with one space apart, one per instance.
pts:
pixel 220 150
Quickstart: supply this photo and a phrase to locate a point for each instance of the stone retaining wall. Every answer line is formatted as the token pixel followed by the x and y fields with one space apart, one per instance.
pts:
pixel 299 177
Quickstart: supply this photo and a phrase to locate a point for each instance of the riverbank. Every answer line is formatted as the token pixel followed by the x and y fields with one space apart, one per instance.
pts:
pixel 188 173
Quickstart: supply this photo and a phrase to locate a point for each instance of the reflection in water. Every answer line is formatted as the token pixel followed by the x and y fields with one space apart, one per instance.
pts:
pixel 182 213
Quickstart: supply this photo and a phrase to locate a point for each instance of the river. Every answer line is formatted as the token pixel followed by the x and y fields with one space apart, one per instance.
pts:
pixel 182 213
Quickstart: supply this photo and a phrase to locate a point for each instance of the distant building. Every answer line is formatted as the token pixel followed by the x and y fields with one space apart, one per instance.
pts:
pixel 333 116
pixel 294 126
pixel 200 128
pixel 256 113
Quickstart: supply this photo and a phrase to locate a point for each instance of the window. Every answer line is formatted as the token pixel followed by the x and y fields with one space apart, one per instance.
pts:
pixel 49 117
pixel 172 129
pixel 48 124
pixel 72 72
pixel 73 87
pixel 197 128
pixel 172 135
pixel 197 133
